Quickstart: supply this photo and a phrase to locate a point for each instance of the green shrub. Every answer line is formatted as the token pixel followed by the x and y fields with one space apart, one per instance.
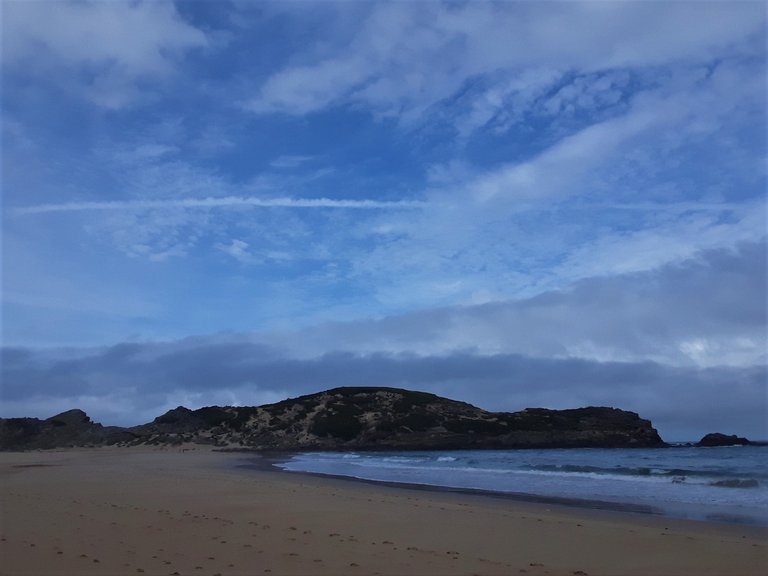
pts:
pixel 213 415
pixel 466 425
pixel 339 422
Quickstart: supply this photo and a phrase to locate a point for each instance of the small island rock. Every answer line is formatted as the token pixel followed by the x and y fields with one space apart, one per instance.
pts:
pixel 718 439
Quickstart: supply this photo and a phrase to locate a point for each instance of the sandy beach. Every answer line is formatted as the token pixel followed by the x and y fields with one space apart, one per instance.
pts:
pixel 163 511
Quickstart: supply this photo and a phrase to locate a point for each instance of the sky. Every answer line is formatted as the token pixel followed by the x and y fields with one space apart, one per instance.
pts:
pixel 513 204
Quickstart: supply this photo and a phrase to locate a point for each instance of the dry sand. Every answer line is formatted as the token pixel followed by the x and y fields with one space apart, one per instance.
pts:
pixel 141 511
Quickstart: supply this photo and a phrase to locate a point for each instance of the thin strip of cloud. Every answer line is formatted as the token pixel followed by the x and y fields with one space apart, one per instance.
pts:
pixel 220 202
pixel 664 206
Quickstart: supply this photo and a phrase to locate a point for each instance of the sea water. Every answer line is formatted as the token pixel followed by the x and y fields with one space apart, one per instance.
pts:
pixel 727 484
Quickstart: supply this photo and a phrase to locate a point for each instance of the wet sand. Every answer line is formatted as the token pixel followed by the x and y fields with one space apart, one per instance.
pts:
pixel 164 511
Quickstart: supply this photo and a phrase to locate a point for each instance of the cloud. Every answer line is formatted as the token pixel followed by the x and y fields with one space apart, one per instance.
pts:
pixel 707 310
pixel 105 50
pixel 554 170
pixel 688 230
pixel 683 345
pixel 220 202
pixel 289 162
pixel 237 249
pixel 649 185
pixel 151 378
pixel 406 57
pixel 680 114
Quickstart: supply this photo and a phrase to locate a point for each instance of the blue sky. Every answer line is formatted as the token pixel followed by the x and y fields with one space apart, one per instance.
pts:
pixel 514 204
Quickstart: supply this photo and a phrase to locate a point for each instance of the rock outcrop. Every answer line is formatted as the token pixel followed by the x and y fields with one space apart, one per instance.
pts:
pixel 718 439
pixel 354 418
pixel 68 429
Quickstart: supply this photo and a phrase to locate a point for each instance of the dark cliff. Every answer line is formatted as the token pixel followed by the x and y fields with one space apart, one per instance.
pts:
pixel 349 418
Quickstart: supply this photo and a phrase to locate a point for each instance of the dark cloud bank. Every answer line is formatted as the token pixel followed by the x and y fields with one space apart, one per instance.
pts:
pixel 719 296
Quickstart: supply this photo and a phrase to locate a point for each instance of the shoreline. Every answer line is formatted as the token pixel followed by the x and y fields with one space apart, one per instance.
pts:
pixel 271 464
pixel 159 511
pixel 678 511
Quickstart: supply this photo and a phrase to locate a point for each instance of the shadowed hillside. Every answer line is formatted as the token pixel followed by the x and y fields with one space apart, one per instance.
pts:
pixel 358 418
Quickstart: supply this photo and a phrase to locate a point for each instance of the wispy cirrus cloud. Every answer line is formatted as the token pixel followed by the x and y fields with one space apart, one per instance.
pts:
pixel 220 202
pixel 405 58
pixel 290 161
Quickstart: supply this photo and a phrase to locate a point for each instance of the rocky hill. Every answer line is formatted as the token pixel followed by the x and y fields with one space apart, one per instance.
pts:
pixel 70 428
pixel 356 418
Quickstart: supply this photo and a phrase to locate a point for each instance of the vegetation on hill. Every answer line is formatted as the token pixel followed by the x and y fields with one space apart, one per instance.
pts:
pixel 359 418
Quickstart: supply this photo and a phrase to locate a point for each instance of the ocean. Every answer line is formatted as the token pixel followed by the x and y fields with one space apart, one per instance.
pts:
pixel 726 484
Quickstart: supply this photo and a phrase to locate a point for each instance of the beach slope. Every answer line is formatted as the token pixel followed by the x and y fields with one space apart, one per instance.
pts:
pixel 172 512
